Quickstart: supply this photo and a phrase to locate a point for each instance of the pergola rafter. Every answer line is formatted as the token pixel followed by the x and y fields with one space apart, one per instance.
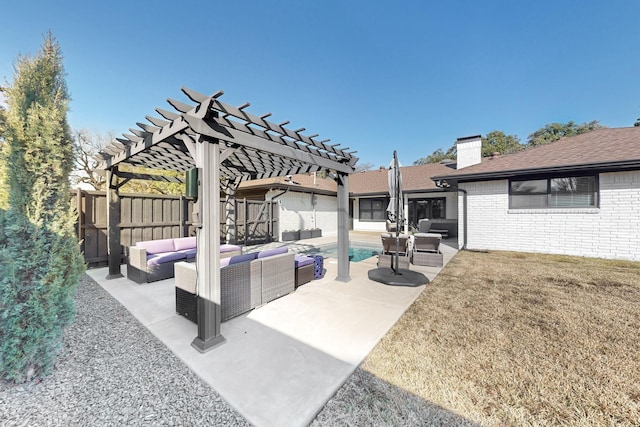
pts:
pixel 228 145
pixel 235 127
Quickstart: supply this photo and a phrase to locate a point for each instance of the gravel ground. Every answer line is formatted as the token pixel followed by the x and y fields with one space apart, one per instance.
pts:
pixel 113 371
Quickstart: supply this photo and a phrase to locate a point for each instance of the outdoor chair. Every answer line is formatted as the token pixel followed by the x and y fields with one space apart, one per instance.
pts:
pixel 389 244
pixel 426 250
pixel 389 250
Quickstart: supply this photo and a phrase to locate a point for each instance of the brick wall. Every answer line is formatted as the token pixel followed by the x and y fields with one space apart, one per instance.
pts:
pixel 610 231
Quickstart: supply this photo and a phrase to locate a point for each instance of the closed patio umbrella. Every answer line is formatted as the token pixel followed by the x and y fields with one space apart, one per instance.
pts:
pixel 394 275
pixel 396 205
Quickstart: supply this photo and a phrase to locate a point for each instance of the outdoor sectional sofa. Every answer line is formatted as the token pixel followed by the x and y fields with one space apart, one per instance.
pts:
pixel 445 227
pixel 153 260
pixel 246 282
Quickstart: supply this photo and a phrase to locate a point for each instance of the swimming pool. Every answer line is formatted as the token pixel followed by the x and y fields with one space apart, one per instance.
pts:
pixel 357 251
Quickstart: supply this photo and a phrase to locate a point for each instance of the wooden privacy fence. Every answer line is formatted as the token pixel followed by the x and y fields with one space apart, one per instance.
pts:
pixel 152 216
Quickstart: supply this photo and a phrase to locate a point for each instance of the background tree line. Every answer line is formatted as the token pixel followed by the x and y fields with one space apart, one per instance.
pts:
pixel 498 141
pixel 87 144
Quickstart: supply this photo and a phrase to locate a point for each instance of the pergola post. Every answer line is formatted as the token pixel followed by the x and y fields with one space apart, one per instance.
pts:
pixel 208 261
pixel 343 227
pixel 114 249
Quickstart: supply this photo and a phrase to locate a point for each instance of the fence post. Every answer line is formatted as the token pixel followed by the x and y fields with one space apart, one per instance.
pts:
pixel 235 221
pixel 79 211
pixel 113 224
pixel 269 225
pixel 246 215
pixel 184 230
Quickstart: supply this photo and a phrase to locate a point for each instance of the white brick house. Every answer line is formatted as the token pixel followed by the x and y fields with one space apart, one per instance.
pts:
pixel 577 196
pixel 307 202
pixel 422 199
pixel 304 201
pixel 299 211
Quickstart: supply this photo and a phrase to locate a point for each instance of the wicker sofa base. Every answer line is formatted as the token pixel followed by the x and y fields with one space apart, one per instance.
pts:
pixel 187 304
pixel 304 274
pixel 243 286
pixel 429 259
pixel 153 273
pixel 384 261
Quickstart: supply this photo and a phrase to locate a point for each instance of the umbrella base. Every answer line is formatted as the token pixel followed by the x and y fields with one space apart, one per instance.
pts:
pixel 403 278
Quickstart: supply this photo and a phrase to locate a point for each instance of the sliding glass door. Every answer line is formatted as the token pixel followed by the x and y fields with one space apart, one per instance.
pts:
pixel 430 208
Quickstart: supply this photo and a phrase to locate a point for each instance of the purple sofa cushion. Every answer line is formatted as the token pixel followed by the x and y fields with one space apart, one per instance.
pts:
pixel 184 243
pixel 272 252
pixel 302 260
pixel 190 253
pixel 157 246
pixel 164 257
pixel 229 248
pixel 237 259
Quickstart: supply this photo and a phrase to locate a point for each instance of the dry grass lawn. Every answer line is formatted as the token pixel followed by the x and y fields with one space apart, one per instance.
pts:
pixel 505 338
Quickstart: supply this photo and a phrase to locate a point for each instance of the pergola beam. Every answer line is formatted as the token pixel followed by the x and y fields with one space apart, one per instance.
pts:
pixel 150 177
pixel 206 109
pixel 214 130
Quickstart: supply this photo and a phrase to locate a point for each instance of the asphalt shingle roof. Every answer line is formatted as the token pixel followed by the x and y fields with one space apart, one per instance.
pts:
pixel 299 181
pixel 414 178
pixel 611 147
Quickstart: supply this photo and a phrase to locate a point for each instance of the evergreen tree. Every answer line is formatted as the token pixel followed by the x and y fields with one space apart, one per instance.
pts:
pixel 39 253
pixel 4 189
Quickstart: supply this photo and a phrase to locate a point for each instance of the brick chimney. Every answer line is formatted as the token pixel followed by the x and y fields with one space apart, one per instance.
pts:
pixel 469 151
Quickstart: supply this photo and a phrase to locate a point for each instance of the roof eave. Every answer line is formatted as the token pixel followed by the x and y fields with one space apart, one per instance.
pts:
pixel 600 167
pixel 288 186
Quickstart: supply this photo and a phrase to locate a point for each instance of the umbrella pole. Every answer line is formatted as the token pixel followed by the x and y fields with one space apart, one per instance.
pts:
pixel 397 179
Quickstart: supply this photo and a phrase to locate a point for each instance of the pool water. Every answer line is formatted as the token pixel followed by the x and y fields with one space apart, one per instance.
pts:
pixel 357 251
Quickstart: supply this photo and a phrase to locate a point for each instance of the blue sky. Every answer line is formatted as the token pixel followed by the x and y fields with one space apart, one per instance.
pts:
pixel 373 76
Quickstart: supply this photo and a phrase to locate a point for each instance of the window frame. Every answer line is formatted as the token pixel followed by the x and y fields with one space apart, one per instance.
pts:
pixel 549 194
pixel 385 203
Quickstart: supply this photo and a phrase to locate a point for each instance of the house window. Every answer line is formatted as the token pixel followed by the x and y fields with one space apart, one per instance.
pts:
pixel 373 209
pixel 560 192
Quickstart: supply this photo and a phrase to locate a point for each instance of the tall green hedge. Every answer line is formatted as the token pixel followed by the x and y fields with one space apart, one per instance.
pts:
pixel 39 254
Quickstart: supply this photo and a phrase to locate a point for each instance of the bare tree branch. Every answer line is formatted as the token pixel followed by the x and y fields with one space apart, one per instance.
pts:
pixel 87 145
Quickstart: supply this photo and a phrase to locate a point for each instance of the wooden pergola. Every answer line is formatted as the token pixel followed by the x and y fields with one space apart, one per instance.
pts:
pixel 227 145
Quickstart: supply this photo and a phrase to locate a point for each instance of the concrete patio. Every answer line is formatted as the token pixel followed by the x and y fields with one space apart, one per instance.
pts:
pixel 283 361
